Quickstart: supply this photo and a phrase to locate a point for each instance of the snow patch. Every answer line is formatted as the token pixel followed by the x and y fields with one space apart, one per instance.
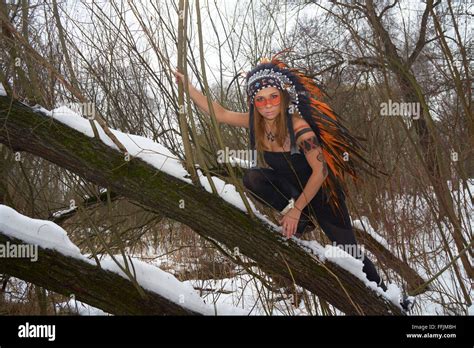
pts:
pixel 81 308
pixel 137 146
pixel 59 213
pixel 2 91
pixel 45 234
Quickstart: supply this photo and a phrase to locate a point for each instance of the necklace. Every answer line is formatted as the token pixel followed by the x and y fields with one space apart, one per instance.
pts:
pixel 270 135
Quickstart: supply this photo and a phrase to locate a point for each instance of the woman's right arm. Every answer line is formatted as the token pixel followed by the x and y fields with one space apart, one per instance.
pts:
pixel 238 119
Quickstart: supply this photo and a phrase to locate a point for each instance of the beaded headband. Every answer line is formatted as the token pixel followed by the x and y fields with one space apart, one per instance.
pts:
pixel 270 78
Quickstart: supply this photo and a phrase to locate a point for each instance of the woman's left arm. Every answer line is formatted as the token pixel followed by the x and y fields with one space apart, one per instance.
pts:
pixel 311 148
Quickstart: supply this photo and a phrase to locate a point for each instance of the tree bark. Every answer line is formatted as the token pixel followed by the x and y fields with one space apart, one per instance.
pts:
pixel 24 129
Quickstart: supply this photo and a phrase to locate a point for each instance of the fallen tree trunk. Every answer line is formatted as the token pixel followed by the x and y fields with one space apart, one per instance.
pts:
pixel 90 284
pixel 24 129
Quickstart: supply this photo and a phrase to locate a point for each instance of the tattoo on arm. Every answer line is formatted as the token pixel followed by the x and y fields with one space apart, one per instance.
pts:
pixel 325 166
pixel 310 144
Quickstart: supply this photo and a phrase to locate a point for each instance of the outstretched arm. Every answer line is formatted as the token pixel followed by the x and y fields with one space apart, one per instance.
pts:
pixel 238 119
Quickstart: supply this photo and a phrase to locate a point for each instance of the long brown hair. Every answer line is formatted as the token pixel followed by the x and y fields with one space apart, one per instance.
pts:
pixel 281 127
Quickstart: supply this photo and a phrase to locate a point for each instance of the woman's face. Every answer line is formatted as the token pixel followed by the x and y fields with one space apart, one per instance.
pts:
pixel 267 101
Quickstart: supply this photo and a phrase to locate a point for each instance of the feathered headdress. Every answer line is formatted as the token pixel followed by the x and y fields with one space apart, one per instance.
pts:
pixel 341 150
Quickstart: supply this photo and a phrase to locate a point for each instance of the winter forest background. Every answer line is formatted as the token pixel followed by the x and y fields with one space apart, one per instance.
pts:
pixel 93 67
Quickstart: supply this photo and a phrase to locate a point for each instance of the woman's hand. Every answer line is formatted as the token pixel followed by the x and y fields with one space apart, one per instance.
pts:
pixel 289 222
pixel 178 76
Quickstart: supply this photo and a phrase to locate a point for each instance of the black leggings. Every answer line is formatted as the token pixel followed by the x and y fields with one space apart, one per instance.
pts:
pixel 270 188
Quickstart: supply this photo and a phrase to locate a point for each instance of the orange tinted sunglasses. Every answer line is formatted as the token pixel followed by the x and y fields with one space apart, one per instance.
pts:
pixel 274 99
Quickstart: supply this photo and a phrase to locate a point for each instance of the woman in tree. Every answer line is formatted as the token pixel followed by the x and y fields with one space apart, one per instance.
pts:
pixel 308 149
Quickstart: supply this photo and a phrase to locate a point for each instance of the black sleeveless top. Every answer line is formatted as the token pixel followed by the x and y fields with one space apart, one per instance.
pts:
pixel 295 168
